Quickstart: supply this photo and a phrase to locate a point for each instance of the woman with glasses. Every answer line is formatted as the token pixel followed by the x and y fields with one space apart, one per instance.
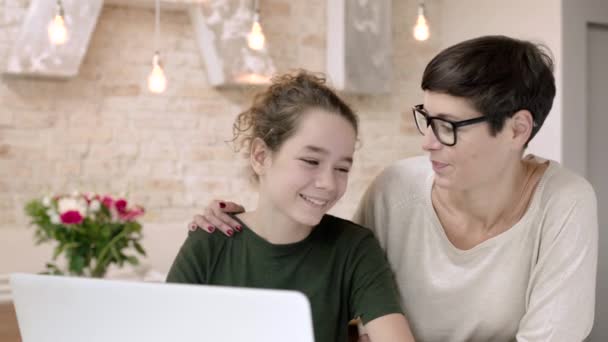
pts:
pixel 487 243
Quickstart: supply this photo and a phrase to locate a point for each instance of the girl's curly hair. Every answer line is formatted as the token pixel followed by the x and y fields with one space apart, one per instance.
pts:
pixel 275 112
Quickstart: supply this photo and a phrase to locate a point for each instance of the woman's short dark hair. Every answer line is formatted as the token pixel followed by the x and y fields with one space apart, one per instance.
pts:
pixel 498 75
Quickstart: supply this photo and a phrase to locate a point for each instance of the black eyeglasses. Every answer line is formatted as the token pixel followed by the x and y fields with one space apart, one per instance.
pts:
pixel 444 130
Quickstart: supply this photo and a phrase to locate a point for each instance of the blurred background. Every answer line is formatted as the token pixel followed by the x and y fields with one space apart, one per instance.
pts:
pixel 83 115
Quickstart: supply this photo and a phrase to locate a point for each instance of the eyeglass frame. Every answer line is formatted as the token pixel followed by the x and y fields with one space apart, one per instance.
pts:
pixel 455 124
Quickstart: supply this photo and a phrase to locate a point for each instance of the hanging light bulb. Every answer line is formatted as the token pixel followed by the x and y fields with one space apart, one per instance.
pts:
pixel 255 38
pixel 58 33
pixel 421 30
pixel 157 82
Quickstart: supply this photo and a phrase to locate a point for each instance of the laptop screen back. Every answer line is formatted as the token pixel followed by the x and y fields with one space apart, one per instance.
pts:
pixel 54 308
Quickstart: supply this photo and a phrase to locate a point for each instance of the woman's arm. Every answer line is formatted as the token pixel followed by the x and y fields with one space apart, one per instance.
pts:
pixel 560 300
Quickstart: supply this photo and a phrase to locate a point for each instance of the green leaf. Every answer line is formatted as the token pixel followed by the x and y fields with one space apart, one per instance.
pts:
pixel 58 250
pixel 139 248
pixel 115 253
pixel 132 260
pixel 52 269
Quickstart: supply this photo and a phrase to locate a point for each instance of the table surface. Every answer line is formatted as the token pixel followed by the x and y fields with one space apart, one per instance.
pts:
pixel 9 330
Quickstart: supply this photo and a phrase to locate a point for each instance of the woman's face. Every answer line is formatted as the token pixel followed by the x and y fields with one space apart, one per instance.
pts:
pixel 309 172
pixel 478 159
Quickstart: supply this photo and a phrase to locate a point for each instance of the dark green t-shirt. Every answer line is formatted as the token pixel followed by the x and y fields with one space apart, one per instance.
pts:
pixel 340 267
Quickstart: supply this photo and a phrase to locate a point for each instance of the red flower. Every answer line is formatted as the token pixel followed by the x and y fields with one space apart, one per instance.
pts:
pixel 71 217
pixel 121 206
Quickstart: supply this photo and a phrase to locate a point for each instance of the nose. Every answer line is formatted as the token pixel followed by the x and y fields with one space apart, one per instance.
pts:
pixel 326 179
pixel 430 142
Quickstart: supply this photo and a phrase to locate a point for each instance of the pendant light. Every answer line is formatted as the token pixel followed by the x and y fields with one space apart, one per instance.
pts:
pixel 58 33
pixel 255 38
pixel 421 30
pixel 157 82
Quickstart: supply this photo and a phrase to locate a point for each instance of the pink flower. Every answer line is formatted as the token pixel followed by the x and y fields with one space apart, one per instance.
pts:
pixel 121 206
pixel 71 217
pixel 132 214
pixel 107 202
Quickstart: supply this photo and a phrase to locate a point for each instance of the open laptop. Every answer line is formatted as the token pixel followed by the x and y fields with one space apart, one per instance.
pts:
pixel 67 309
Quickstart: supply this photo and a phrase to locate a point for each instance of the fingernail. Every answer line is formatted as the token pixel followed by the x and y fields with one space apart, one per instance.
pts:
pixel 229 232
pixel 211 229
pixel 238 228
pixel 222 205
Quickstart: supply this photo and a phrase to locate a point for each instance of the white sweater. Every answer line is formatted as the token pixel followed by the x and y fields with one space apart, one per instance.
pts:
pixel 533 282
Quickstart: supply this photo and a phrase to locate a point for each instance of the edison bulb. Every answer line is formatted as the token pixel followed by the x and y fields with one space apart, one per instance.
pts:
pixel 157 82
pixel 421 30
pixel 58 33
pixel 256 38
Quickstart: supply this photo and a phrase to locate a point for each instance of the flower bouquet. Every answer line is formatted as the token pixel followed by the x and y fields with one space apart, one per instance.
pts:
pixel 91 231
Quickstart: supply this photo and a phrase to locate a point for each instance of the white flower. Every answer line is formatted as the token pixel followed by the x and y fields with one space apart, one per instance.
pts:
pixel 68 203
pixel 50 212
pixel 94 206
pixel 46 201
pixel 55 219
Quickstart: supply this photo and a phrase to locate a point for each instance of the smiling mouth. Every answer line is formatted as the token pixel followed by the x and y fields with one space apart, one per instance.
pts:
pixel 436 163
pixel 314 201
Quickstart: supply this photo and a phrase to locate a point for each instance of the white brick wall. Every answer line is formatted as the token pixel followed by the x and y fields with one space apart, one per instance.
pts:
pixel 104 132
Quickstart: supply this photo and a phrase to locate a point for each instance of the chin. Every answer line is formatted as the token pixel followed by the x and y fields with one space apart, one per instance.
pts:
pixel 443 182
pixel 308 219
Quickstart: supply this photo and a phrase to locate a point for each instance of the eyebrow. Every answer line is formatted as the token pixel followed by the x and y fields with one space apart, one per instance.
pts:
pixel 321 150
pixel 447 116
pixel 441 115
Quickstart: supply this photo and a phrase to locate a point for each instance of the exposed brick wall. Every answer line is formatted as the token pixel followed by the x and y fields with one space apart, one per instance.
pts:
pixel 103 131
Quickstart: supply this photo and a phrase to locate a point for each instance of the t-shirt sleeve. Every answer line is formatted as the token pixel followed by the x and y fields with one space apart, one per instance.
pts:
pixel 373 290
pixel 189 264
pixel 561 293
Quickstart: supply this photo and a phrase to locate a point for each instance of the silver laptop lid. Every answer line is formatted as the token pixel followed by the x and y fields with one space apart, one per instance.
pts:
pixel 67 309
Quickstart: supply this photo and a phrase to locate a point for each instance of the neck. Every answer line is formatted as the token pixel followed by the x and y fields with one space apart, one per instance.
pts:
pixel 272 225
pixel 489 204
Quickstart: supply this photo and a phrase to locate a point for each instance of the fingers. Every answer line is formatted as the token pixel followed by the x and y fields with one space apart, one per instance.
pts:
pixel 217 214
pixel 229 207
pixel 199 222
pixel 221 221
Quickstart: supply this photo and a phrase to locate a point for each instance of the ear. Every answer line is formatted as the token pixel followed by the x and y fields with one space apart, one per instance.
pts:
pixel 260 156
pixel 522 124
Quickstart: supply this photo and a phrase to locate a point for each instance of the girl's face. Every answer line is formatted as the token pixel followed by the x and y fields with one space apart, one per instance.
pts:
pixel 308 174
